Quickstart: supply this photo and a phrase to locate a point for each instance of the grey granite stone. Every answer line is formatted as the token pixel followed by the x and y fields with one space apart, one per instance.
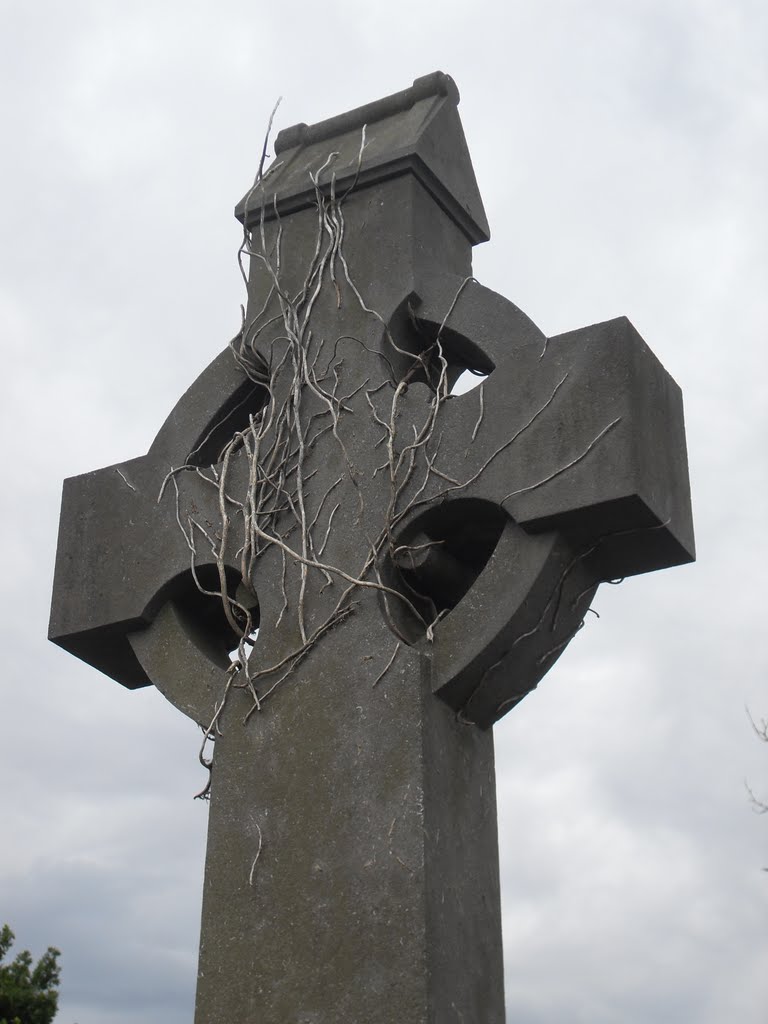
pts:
pixel 352 867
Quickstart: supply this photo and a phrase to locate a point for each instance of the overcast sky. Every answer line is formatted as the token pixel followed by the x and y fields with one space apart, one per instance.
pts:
pixel 621 147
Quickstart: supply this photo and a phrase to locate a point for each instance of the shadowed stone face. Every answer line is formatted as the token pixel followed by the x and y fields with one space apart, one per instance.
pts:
pixel 406 564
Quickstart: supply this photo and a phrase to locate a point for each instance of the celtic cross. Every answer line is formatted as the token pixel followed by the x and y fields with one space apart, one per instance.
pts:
pixel 346 572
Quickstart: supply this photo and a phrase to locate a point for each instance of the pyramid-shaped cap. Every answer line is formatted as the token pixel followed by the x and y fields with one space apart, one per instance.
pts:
pixel 417 131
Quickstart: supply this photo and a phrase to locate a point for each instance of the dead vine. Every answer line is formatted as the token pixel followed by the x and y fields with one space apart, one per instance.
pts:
pixel 262 480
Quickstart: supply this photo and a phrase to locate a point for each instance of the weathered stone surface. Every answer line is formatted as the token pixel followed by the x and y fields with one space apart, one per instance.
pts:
pixel 352 870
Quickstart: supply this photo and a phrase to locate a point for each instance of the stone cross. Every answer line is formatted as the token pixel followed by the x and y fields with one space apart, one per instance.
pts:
pixel 404 564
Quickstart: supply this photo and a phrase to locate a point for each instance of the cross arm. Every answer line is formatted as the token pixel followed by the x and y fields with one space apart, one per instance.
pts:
pixel 582 433
pixel 120 554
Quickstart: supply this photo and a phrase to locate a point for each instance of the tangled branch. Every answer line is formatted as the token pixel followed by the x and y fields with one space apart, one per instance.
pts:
pixel 270 500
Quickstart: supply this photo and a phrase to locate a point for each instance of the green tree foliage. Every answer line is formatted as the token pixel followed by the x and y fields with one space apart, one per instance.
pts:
pixel 28 991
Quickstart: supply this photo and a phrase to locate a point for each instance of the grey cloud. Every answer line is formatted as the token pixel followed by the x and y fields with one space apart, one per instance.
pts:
pixel 621 151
